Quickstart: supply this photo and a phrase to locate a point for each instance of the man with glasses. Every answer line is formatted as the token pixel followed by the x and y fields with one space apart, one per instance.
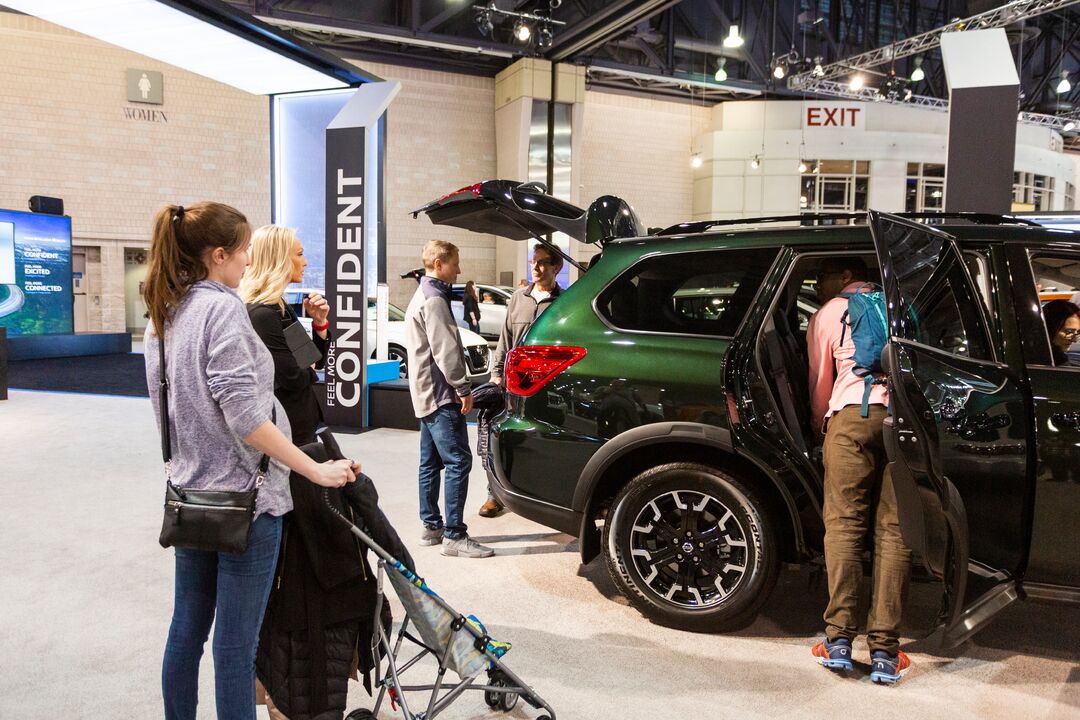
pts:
pixel 859 498
pixel 524 307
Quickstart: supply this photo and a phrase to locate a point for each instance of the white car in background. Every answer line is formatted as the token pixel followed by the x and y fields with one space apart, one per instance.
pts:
pixel 492 314
pixel 477 352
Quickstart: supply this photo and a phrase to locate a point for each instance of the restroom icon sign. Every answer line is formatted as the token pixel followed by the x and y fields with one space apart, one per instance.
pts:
pixel 145 86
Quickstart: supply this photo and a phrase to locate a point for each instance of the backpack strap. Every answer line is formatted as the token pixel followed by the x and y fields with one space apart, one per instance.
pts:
pixel 843 327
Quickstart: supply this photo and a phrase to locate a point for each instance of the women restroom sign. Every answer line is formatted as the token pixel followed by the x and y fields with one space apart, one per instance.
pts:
pixel 847 116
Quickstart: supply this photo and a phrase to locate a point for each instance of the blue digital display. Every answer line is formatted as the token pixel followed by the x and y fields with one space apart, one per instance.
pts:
pixel 35 273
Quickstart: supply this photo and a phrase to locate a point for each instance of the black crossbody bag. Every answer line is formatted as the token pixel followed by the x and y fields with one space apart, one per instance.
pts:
pixel 212 520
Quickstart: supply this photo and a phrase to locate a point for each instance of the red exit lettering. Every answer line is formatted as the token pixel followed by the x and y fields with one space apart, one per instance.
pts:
pixel 831 117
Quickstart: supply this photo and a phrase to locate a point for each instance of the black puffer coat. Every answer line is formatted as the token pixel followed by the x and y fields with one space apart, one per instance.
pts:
pixel 322 603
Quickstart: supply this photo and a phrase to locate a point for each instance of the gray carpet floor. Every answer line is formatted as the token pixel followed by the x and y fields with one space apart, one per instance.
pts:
pixel 86 593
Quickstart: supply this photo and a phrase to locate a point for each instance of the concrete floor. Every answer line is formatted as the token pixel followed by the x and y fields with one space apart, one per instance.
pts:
pixel 85 597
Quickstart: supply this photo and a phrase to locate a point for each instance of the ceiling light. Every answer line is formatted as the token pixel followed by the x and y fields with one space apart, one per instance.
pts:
pixel 756 162
pixel 907 94
pixel 733 39
pixel 818 70
pixel 696 161
pixel 484 23
pixel 522 31
pixel 778 71
pixel 1069 126
pixel 857 82
pixel 161 32
pixel 1064 86
pixel 544 36
pixel 917 75
pixel 721 73
pixel 802 166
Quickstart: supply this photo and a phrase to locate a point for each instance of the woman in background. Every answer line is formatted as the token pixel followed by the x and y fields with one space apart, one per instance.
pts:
pixel 1063 327
pixel 471 305
pixel 277 259
pixel 220 380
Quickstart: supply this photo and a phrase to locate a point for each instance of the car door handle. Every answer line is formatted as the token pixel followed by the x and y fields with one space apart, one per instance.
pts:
pixel 1069 420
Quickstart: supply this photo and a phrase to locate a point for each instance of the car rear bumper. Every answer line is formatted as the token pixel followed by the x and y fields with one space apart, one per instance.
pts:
pixel 554 516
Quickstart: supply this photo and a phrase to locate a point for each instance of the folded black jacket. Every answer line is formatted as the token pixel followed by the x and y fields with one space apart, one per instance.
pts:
pixel 322 603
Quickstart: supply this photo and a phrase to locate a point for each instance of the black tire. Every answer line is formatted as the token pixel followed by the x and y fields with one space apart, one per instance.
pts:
pixel 719 575
pixel 396 352
pixel 361 714
pixel 508 701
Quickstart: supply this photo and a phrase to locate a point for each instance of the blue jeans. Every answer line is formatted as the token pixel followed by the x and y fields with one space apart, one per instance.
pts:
pixel 235 589
pixel 444 444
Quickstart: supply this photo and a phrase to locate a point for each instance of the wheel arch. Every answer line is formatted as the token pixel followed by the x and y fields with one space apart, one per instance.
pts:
pixel 626 455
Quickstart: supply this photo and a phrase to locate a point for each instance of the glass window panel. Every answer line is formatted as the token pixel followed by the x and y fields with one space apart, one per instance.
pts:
pixel 913 169
pixel 835 167
pixel 934 170
pixel 834 192
pixel 911 200
pixel 695 294
pixel 862 167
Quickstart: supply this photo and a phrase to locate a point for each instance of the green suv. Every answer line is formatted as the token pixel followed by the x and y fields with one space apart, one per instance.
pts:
pixel 659 410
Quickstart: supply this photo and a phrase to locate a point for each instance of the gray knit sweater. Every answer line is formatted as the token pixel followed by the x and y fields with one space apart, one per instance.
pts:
pixel 221 388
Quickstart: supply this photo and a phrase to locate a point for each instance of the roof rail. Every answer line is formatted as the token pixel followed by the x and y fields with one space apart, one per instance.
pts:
pixel 832 218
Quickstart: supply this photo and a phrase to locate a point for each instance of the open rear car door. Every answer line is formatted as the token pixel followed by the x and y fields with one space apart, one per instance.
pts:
pixel 960 436
pixel 523 211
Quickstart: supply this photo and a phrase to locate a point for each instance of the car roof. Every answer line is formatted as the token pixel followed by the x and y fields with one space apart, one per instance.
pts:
pixel 801 235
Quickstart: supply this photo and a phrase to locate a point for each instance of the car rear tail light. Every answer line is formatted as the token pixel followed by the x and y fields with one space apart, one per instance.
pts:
pixel 529 368
pixel 474 189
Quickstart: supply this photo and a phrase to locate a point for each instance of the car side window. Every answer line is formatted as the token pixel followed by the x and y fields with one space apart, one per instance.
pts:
pixel 1057 280
pixel 947 315
pixel 705 293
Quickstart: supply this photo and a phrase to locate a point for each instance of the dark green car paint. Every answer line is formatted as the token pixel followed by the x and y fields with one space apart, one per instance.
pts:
pixel 1004 432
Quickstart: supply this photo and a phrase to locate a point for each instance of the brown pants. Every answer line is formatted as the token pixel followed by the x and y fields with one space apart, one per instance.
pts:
pixel 859 500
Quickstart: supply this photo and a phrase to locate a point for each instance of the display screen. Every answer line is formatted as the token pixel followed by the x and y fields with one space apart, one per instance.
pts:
pixel 35 273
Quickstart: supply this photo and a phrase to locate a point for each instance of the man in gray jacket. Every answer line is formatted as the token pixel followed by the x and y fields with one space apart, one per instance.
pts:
pixel 441 397
pixel 524 307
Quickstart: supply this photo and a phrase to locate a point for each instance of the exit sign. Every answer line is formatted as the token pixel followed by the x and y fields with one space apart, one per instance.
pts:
pixel 847 116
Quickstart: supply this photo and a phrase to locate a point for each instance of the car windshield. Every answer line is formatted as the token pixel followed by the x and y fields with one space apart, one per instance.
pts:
pixel 395 314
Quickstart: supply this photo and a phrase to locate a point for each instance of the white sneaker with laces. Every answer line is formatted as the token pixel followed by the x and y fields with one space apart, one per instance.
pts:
pixel 466 547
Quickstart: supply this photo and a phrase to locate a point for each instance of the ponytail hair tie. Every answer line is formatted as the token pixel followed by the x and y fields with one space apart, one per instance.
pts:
pixel 179 215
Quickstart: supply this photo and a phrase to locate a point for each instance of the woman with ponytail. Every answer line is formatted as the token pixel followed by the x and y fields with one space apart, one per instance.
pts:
pixel 221 404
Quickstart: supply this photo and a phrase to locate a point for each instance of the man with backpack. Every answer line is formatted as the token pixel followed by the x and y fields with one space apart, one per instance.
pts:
pixel 849 402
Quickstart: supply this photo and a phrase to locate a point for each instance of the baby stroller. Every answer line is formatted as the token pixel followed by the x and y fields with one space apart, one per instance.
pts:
pixel 457 642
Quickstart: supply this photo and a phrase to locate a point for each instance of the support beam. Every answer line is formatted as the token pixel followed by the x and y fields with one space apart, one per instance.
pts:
pixel 604 26
pixel 1007 14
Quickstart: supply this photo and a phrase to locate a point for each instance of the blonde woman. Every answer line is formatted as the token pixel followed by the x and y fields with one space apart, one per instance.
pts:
pixel 277 259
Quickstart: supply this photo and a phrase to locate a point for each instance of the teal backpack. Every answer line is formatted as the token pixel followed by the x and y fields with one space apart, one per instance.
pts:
pixel 865 316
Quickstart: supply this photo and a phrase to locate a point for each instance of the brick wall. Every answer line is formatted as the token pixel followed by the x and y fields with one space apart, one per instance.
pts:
pixel 63 133
pixel 640 149
pixel 440 137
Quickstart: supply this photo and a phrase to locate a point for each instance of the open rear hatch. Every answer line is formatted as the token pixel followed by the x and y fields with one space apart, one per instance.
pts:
pixel 523 211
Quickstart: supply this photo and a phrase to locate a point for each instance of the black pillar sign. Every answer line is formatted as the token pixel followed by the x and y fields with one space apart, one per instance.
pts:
pixel 346 361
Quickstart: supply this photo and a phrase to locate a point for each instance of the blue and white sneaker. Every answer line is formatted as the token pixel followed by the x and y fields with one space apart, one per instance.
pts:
pixel 834 654
pixel 886 669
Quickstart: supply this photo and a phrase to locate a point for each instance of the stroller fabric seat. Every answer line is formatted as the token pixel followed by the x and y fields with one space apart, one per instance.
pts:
pixel 436 625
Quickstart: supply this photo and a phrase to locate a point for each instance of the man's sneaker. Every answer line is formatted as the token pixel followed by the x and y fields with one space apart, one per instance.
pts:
pixel 491 508
pixel 835 654
pixel 431 536
pixel 887 669
pixel 466 547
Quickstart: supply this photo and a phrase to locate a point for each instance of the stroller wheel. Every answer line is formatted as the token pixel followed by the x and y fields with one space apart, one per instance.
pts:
pixel 360 714
pixel 492 698
pixel 508 701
